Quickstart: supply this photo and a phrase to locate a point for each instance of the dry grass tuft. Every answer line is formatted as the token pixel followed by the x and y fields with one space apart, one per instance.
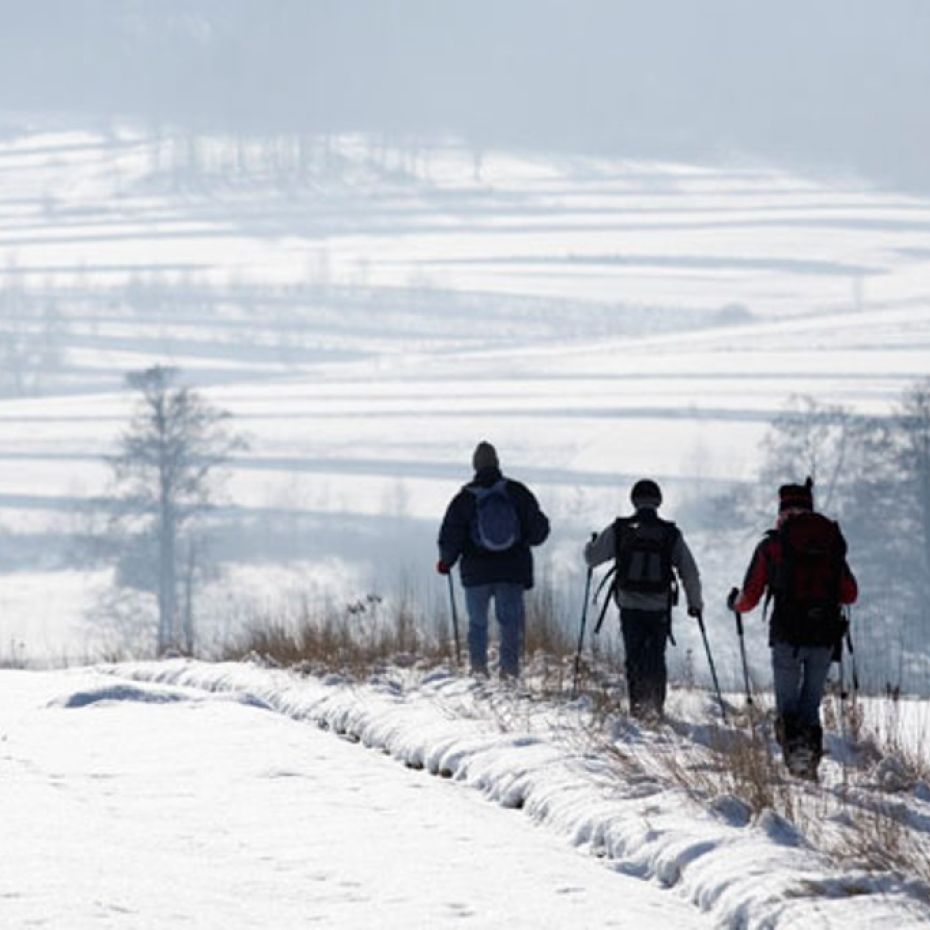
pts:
pixel 357 639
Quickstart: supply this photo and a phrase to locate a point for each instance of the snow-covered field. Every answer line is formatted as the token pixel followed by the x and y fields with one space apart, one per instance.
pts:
pixel 369 311
pixel 188 794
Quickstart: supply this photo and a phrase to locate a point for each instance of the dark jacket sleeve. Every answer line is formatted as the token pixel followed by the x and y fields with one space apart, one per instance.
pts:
pixel 533 522
pixel 453 533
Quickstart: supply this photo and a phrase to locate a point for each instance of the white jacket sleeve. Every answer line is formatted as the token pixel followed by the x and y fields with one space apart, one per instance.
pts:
pixel 601 549
pixel 687 569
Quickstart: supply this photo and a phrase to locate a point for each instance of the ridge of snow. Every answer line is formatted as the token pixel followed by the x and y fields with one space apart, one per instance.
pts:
pixel 520 754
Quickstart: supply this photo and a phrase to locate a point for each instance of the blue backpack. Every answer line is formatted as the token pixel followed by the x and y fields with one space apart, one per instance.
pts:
pixel 496 526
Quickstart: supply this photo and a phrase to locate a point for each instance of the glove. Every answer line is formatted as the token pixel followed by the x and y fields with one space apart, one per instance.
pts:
pixel 443 568
pixel 731 598
pixel 694 611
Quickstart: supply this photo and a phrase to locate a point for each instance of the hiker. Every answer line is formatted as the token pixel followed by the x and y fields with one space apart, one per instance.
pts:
pixel 490 525
pixel 802 566
pixel 648 552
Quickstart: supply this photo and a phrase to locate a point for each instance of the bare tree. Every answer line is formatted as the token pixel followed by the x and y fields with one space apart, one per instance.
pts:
pixel 808 438
pixel 164 477
pixel 914 459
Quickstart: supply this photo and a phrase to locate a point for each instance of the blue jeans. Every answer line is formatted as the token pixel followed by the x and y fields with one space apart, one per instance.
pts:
pixel 800 673
pixel 508 608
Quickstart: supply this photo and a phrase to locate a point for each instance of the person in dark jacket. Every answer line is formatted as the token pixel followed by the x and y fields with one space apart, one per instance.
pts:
pixel 802 640
pixel 646 602
pixel 501 575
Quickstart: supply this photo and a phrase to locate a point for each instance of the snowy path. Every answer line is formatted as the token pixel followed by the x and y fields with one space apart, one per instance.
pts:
pixel 152 806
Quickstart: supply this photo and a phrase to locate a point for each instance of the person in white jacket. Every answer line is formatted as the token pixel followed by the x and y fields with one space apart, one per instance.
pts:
pixel 650 556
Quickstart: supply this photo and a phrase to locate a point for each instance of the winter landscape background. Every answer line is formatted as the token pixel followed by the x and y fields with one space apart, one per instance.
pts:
pixel 367 313
pixel 615 242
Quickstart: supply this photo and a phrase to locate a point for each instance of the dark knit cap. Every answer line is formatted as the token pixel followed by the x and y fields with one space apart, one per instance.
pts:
pixel 484 456
pixel 796 496
pixel 646 493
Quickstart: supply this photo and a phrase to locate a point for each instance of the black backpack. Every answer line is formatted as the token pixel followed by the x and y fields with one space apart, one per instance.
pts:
pixel 806 583
pixel 643 546
pixel 643 554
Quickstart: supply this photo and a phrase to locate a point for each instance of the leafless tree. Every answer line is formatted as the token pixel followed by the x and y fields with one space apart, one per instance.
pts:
pixel 165 478
pixel 808 438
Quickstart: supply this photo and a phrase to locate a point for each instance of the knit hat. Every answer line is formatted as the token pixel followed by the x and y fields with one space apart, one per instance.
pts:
pixel 646 493
pixel 484 456
pixel 796 496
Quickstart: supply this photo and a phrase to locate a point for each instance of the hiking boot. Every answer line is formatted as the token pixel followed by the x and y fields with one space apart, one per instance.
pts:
pixel 801 762
pixel 646 713
pixel 803 751
pixel 813 744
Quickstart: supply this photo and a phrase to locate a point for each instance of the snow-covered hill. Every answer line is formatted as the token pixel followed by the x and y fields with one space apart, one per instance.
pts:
pixel 369 312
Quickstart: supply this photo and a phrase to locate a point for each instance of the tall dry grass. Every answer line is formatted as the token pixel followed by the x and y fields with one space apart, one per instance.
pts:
pixel 370 631
pixel 355 638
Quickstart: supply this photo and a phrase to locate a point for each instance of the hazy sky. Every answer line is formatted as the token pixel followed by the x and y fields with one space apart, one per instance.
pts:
pixel 818 83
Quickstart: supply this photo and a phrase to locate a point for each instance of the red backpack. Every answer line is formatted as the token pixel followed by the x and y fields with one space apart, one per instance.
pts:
pixel 806 582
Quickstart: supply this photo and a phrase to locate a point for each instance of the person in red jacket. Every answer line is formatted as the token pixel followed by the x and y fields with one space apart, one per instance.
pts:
pixel 801 566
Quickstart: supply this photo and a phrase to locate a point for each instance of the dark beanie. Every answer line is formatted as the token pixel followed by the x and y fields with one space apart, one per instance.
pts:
pixel 796 496
pixel 484 456
pixel 646 493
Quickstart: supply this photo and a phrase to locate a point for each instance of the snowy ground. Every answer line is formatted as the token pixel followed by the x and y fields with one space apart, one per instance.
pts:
pixel 146 806
pixel 222 796
pixel 368 312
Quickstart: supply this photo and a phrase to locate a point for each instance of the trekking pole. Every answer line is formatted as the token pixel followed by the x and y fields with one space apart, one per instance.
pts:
pixel 584 620
pixel 852 653
pixel 455 621
pixel 731 600
pixel 713 670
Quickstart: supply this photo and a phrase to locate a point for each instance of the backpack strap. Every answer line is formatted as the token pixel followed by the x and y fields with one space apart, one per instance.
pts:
pixel 611 577
pixel 769 587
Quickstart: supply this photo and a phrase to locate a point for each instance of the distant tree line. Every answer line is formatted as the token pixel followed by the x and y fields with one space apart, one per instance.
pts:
pixel 829 83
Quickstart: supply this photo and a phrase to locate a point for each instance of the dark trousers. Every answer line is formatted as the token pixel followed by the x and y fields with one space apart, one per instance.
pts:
pixel 645 633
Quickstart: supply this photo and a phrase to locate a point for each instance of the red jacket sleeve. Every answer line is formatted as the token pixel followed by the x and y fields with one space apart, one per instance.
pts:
pixel 757 576
pixel 849 587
